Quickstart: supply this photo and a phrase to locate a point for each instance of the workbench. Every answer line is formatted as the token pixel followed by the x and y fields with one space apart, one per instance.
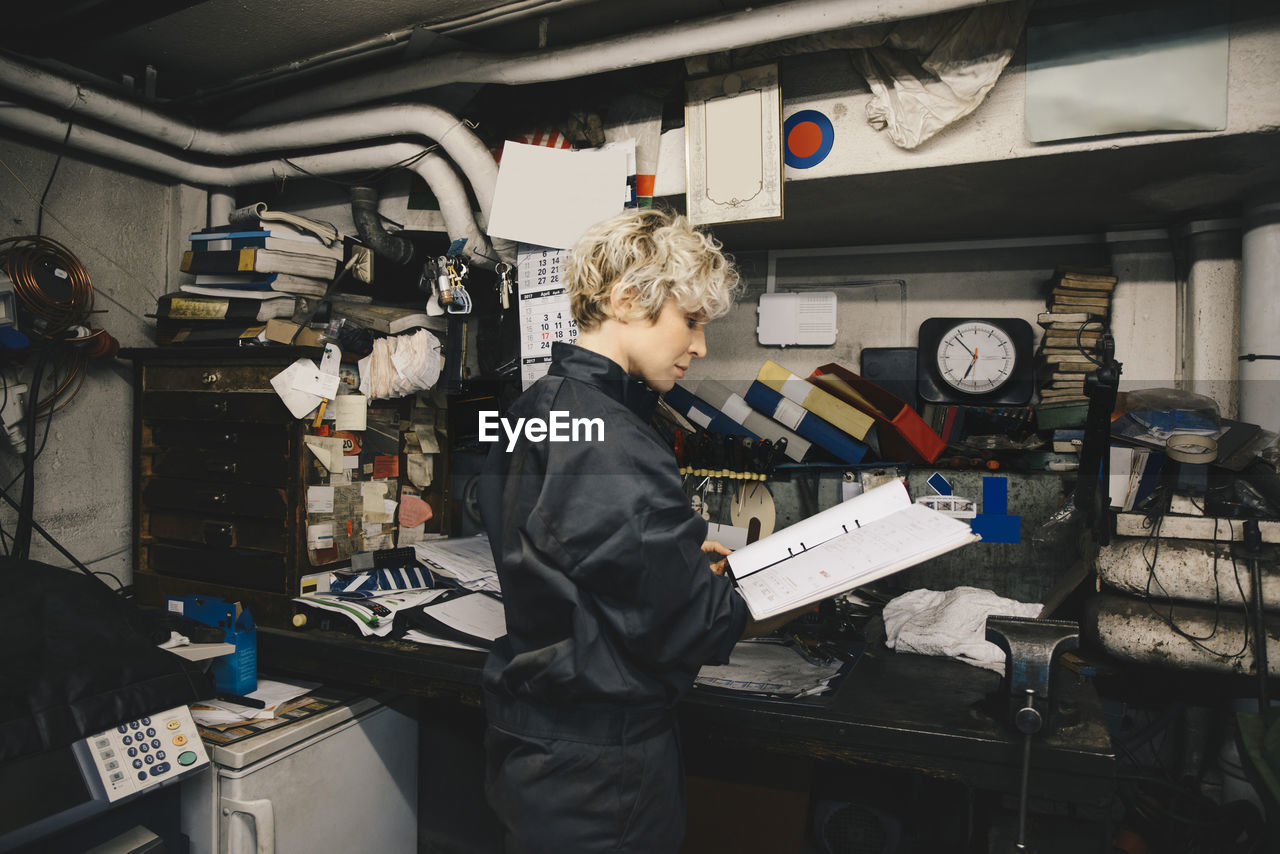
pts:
pixel 893 709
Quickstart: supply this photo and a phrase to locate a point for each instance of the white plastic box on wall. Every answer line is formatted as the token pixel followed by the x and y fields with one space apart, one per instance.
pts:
pixel 786 319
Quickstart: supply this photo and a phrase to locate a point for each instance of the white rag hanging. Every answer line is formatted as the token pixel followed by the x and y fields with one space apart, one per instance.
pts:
pixel 952 623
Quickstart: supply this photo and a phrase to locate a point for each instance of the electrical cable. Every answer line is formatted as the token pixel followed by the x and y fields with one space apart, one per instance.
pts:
pixel 26 509
pixel 1154 521
pixel 140 281
pixel 1079 343
pixel 371 176
pixel 48 185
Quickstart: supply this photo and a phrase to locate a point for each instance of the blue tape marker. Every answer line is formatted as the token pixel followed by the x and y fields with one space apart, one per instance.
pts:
pixel 939 484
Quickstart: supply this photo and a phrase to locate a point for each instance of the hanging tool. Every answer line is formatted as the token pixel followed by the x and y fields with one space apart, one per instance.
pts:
pixel 429 283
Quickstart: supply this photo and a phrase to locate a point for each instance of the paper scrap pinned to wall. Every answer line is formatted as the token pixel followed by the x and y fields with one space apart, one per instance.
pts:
pixel 413 511
pixel 299 402
pixel 549 197
pixel 319 499
pixel 328 451
pixel 421 469
pixel 350 412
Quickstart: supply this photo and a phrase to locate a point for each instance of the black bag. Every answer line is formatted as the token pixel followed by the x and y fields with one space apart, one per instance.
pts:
pixel 76 658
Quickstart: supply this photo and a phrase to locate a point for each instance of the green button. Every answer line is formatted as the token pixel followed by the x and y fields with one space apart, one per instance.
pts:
pixel 186 757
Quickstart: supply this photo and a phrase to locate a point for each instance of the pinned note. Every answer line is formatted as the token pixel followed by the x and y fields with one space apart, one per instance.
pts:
pixel 320 536
pixel 413 511
pixel 421 469
pixel 307 377
pixel 373 503
pixel 319 499
pixel 299 401
pixel 351 412
pixel 328 451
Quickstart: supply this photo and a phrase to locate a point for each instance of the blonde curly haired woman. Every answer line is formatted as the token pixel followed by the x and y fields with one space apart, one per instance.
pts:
pixel 611 602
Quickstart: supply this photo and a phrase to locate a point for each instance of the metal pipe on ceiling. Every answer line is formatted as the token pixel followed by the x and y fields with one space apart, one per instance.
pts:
pixel 644 47
pixel 391 120
pixel 383 43
pixel 434 169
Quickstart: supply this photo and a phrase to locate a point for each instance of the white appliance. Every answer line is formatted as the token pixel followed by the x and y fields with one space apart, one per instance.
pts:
pixel 345 779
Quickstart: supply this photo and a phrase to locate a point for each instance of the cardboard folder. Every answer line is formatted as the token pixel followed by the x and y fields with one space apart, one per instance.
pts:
pixel 903 434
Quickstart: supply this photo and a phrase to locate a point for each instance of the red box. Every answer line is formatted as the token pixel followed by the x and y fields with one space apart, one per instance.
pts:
pixel 903 434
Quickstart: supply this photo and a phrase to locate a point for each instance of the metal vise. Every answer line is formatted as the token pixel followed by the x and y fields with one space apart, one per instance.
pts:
pixel 1031 648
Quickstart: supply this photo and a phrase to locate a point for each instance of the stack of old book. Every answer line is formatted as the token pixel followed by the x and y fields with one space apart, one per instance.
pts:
pixel 264 258
pixel 265 265
pixel 1079 312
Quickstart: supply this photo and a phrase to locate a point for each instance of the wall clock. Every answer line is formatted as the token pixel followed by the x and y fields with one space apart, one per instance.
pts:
pixel 985 361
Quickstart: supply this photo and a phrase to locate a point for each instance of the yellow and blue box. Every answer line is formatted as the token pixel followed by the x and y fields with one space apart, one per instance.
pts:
pixel 236 672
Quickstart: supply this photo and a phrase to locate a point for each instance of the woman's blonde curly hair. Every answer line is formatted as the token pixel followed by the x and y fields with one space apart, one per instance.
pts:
pixel 652 255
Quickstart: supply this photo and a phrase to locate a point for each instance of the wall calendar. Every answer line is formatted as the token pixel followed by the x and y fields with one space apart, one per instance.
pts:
pixel 544 309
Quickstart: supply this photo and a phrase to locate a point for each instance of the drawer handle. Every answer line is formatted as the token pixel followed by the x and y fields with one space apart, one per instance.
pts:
pixel 218 498
pixel 220 468
pixel 218 534
pixel 209 377
pixel 230 439
pixel 215 407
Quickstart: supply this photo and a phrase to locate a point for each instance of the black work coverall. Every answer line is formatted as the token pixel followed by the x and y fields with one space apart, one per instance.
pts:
pixel 611 610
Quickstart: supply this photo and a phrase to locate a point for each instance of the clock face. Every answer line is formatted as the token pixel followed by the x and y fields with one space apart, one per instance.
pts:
pixel 976 357
pixel 976 361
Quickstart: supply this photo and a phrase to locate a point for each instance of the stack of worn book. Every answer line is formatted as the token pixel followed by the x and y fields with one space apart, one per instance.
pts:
pixel 187 318
pixel 260 258
pixel 265 265
pixel 1079 312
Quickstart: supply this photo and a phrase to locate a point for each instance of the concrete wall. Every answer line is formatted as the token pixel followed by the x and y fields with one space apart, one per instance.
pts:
pixel 122 229
pixel 884 293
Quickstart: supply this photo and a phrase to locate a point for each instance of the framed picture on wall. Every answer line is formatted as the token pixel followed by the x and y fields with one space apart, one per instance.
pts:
pixel 733 139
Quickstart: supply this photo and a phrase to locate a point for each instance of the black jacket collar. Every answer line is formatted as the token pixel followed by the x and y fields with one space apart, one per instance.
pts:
pixel 574 362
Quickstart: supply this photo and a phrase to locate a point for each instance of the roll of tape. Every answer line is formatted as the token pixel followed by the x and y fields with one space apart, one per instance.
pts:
pixel 1191 448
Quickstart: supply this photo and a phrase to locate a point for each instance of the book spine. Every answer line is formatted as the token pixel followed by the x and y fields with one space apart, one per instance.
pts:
pixel 823 434
pixel 702 413
pixel 823 404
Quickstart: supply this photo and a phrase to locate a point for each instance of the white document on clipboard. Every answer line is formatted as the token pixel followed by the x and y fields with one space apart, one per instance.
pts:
pixel 856 542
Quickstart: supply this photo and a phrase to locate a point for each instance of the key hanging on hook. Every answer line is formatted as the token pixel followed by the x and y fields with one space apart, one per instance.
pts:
pixel 429 284
pixel 444 279
pixel 504 284
pixel 461 303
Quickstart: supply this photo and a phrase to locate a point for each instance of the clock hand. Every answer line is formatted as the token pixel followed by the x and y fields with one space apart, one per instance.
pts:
pixel 966 349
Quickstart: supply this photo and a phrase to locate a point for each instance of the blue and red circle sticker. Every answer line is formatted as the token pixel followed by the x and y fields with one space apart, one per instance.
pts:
pixel 807 139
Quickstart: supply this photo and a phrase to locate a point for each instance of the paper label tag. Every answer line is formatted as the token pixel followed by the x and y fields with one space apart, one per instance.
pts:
pixel 788 413
pixel 700 418
pixel 736 408
pixel 794 388
pixel 320 536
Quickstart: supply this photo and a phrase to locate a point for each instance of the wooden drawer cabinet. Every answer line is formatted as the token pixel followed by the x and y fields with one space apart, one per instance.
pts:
pixel 219 489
